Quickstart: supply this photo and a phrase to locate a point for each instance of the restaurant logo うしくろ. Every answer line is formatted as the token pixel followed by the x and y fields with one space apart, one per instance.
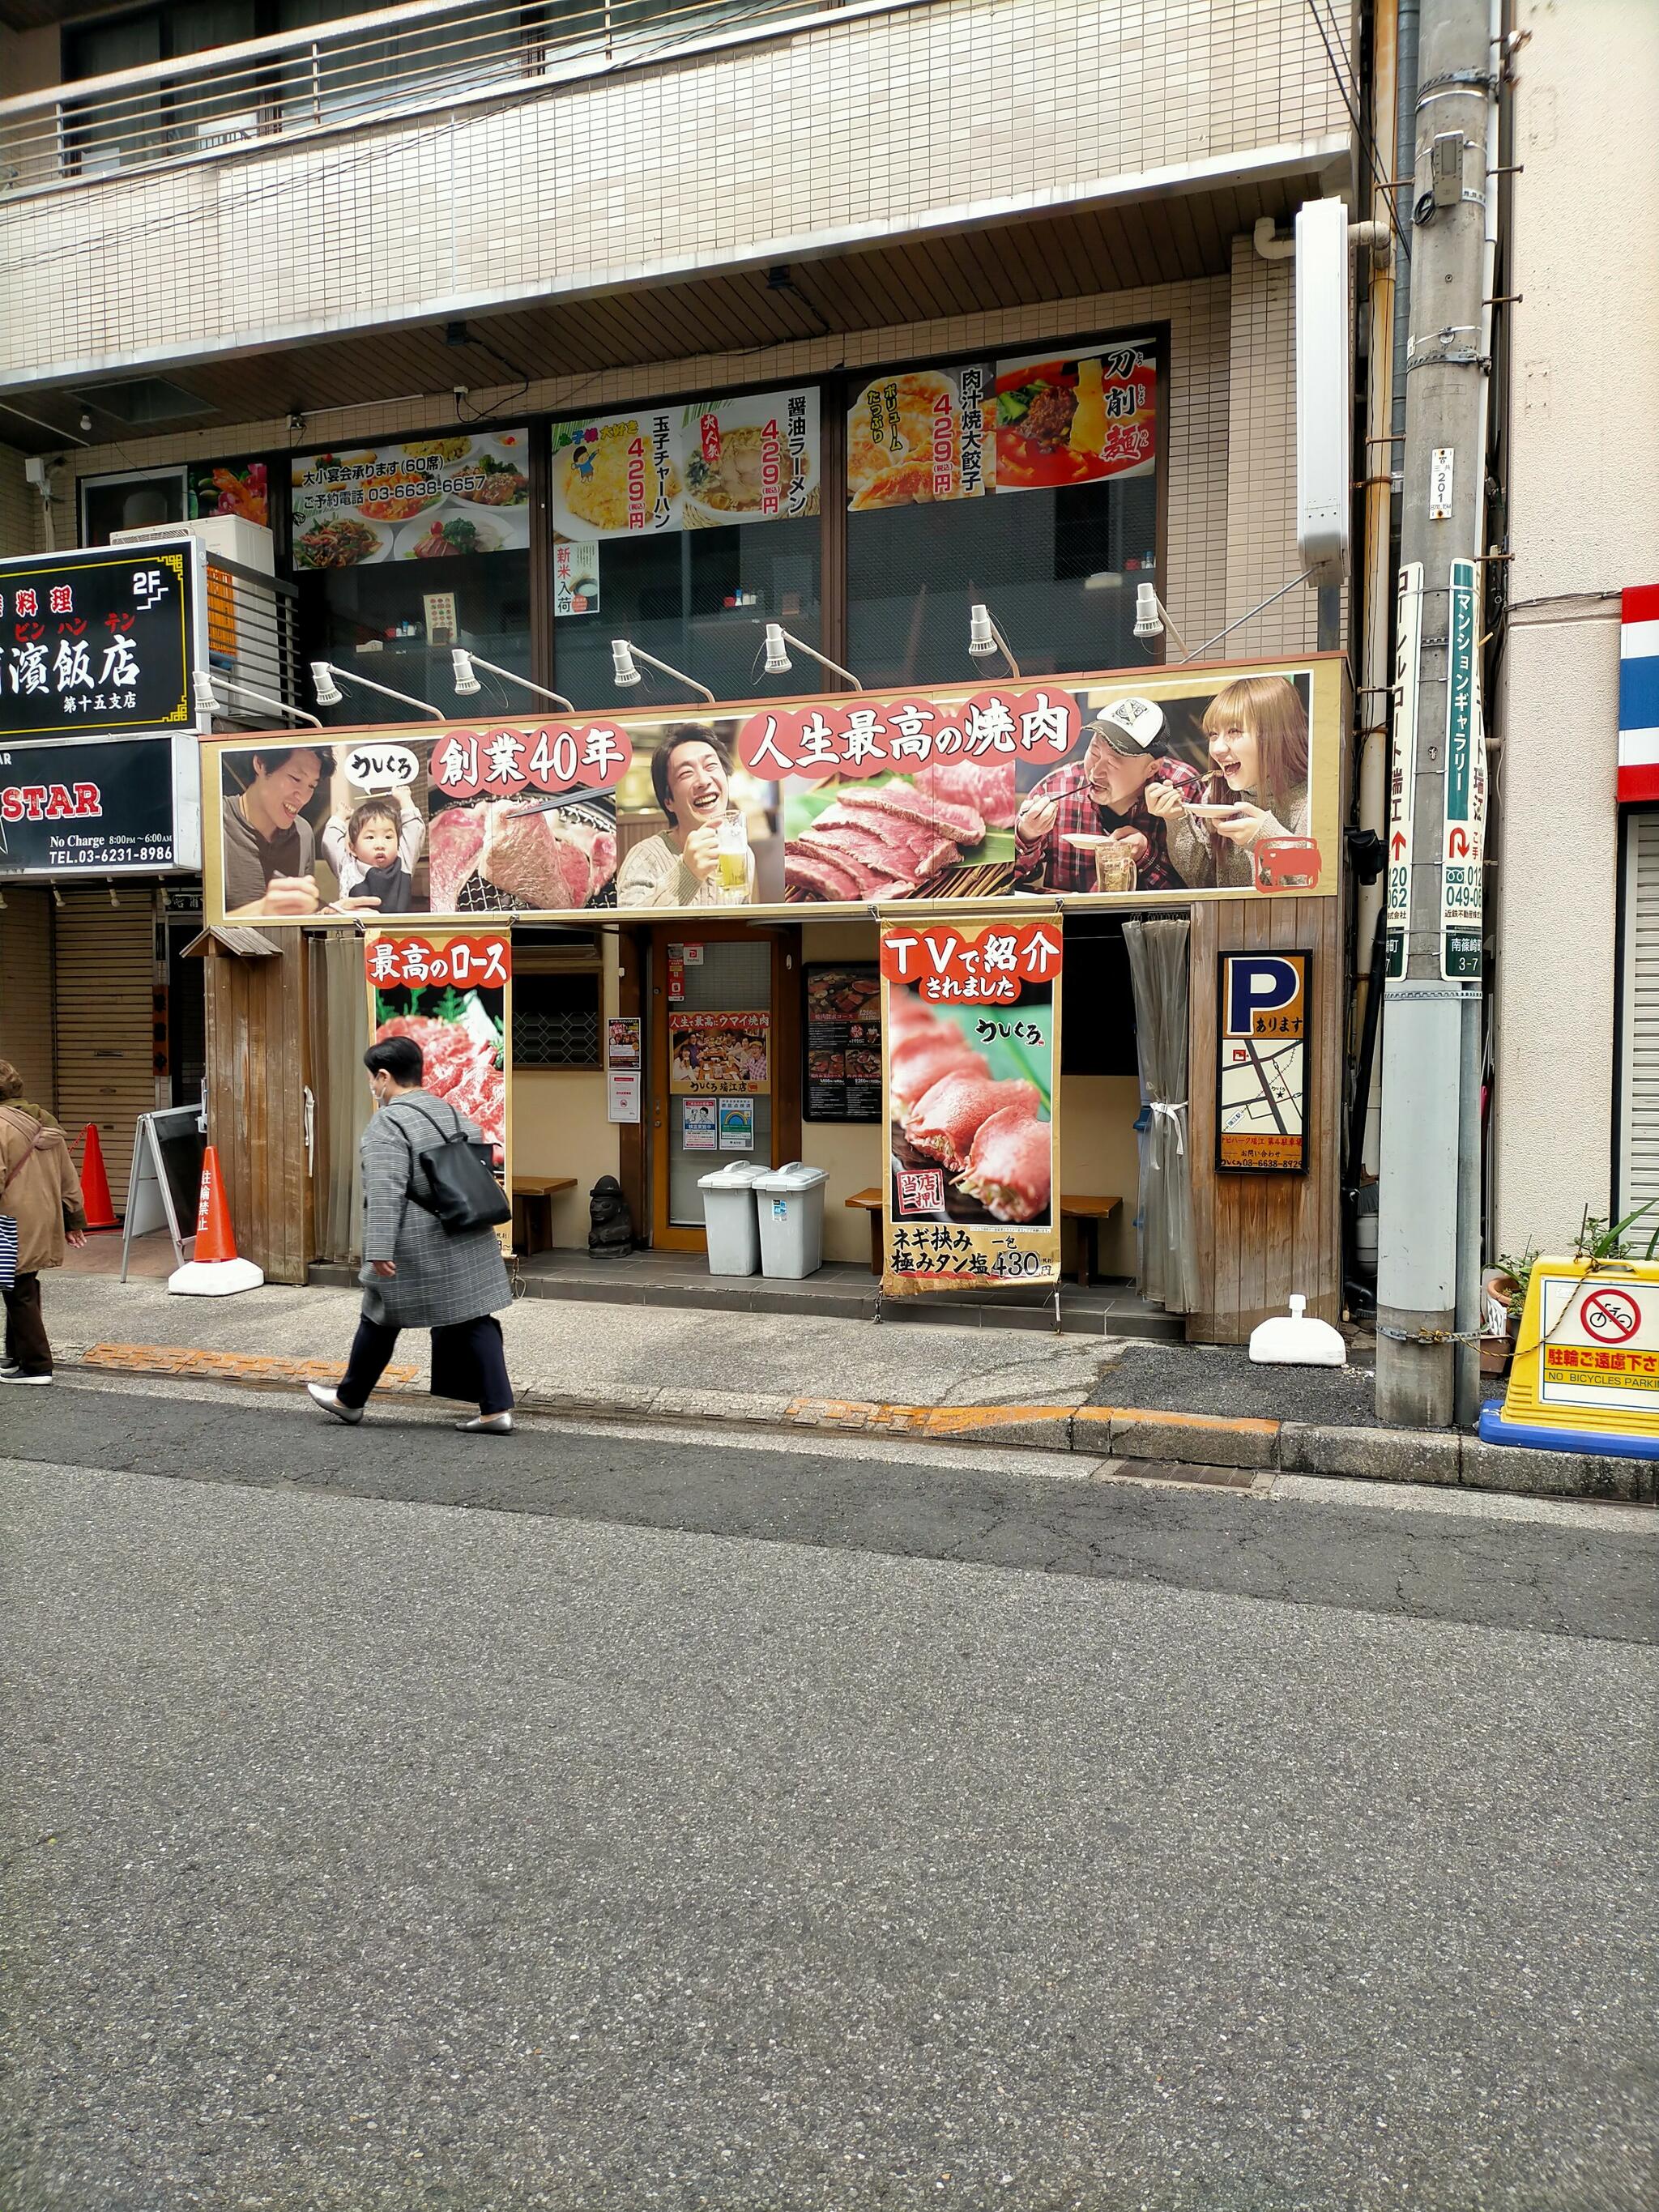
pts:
pixel 1169 783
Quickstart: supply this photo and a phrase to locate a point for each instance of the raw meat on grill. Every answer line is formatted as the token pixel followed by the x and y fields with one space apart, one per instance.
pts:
pixel 1010 1167
pixel 984 788
pixel 962 824
pixel 873 880
pixel 945 1122
pixel 824 878
pixel 917 1065
pixel 906 850
pixel 457 1067
pixel 454 844
pixel 547 857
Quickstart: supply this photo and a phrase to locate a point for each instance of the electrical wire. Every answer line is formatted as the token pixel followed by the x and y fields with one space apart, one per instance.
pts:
pixel 1367 139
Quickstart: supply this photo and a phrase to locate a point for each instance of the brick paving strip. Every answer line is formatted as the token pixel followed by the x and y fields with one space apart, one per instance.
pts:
pixel 1136 1433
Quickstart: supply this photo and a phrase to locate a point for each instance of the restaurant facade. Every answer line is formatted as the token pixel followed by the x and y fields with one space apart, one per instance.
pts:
pixel 687 630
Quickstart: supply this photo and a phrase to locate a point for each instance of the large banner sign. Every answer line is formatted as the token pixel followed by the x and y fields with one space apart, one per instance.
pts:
pixel 971 1062
pixel 452 995
pixel 98 642
pixel 1103 789
pixel 428 499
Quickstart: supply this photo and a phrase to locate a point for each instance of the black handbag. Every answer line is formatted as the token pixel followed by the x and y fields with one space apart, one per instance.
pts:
pixel 465 1194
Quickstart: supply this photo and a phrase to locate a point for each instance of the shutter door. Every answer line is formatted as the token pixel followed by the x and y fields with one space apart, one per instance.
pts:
pixel 26 991
pixel 1638 1134
pixel 106 979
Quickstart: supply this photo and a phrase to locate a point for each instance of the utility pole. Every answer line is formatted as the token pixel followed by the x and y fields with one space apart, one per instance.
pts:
pixel 1429 1213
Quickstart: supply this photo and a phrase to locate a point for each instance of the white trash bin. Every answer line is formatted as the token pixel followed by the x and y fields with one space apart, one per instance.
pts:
pixel 728 1216
pixel 791 1205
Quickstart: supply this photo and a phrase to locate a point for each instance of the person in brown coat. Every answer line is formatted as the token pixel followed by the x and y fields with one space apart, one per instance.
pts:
pixel 39 1187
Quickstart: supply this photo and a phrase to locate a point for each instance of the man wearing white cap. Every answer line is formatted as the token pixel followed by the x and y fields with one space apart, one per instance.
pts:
pixel 1103 795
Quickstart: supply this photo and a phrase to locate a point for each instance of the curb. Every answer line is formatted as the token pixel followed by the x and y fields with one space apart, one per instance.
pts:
pixel 1441 1458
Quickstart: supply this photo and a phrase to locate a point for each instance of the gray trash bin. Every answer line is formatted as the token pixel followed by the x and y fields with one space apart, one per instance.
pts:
pixel 728 1216
pixel 791 1203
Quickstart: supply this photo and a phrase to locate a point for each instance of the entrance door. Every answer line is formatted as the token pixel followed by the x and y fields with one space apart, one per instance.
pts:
pixel 699 973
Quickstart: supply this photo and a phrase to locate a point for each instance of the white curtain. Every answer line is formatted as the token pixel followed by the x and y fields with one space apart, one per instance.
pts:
pixel 1157 968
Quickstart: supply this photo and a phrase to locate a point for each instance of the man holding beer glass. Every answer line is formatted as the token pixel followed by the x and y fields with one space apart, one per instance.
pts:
pixel 705 858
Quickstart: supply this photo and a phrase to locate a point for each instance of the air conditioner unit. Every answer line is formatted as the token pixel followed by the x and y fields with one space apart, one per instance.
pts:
pixel 245 621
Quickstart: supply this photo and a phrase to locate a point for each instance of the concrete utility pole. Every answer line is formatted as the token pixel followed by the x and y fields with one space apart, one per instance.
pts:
pixel 1429 1223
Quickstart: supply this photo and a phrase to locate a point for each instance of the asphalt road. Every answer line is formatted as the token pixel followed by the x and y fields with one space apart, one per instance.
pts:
pixel 751 1824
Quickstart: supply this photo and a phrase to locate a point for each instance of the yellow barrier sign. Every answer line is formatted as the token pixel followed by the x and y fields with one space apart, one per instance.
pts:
pixel 1586 1368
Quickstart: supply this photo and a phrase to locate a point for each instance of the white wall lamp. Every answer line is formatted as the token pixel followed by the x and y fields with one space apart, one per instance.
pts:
pixel 324 682
pixel 467 685
pixel 778 663
pixel 624 656
pixel 208 700
pixel 984 638
pixel 1152 617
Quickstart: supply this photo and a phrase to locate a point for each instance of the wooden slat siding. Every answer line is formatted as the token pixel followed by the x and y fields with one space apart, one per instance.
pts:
pixel 257 1061
pixel 1258 1236
pixel 25 992
pixel 103 1020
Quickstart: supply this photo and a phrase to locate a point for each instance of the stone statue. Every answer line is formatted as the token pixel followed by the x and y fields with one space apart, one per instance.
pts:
pixel 611 1227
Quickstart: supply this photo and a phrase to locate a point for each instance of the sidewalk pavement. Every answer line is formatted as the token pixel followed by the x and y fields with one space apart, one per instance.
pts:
pixel 1195 1405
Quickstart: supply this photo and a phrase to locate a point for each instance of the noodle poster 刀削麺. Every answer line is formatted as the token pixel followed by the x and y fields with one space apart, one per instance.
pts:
pixel 971 1063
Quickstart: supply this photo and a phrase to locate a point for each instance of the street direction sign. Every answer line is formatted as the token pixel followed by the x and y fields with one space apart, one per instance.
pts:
pixel 1403 770
pixel 1464 829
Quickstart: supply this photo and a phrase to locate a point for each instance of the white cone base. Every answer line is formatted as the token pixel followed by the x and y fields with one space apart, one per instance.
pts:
pixel 215 1279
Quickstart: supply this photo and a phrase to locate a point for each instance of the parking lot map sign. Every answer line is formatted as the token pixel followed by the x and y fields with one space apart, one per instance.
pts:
pixel 1262 1080
pixel 1587 1359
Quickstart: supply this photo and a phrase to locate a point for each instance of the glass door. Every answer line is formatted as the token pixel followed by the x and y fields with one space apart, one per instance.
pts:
pixel 714 1066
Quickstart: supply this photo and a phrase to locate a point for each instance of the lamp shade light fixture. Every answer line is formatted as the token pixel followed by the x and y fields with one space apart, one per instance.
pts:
pixel 984 638
pixel 624 666
pixel 467 682
pixel 1148 621
pixel 467 665
pixel 326 679
pixel 208 699
pixel 778 663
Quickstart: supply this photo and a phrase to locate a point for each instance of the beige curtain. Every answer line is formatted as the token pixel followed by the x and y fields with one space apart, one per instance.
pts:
pixel 344 1108
pixel 1157 968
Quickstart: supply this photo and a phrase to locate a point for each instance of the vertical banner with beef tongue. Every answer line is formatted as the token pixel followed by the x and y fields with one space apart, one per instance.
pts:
pixel 970 1066
pixel 452 995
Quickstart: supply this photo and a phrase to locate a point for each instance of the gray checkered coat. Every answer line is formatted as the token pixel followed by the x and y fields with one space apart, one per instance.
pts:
pixel 441 1279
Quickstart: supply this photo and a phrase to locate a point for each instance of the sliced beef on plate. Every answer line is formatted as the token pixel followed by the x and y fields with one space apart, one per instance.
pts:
pixel 984 788
pixel 823 879
pixel 1010 1167
pixel 945 1122
pixel 543 856
pixel 964 825
pixel 454 844
pixel 917 1064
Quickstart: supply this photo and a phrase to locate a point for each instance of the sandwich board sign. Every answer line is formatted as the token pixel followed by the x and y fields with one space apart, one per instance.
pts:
pixel 165 1177
pixel 1585 1376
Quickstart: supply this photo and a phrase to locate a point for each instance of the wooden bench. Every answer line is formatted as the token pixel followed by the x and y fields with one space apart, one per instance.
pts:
pixel 870 1201
pixel 1088 1213
pixel 532 1209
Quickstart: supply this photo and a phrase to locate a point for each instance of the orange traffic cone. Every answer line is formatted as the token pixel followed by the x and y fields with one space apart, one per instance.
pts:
pixel 214 1270
pixel 95 1182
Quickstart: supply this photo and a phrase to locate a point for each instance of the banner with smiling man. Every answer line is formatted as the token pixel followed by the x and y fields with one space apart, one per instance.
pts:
pixel 970 1054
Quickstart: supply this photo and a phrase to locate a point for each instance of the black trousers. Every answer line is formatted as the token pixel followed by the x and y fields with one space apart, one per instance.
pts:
pixel 25 1327
pixel 468 1361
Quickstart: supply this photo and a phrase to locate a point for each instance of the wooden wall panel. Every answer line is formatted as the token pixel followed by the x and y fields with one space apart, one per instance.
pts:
pixel 1259 1237
pixel 258 1054
pixel 26 992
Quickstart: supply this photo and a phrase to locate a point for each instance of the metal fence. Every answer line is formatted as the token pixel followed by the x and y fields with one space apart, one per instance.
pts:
pixel 385 64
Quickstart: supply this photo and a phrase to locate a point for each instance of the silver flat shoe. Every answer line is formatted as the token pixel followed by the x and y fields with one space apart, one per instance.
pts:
pixel 326 1402
pixel 486 1425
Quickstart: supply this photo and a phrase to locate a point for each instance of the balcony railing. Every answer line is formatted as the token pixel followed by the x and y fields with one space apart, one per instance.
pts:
pixel 367 67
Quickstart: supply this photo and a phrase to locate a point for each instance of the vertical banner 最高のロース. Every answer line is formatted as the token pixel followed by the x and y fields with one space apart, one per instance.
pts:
pixel 453 996
pixel 970 1083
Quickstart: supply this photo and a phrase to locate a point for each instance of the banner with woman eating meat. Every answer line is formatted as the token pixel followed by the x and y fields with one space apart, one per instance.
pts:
pixel 970 1059
pixel 1202 781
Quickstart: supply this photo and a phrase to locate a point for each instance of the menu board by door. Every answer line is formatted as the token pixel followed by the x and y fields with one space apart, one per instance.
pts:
pixel 843 1043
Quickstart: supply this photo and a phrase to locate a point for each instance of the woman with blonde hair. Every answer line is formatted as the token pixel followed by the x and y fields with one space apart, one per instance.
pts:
pixel 1257 729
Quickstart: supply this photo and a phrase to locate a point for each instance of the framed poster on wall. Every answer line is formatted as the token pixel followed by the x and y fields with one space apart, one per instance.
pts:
pixel 1261 1063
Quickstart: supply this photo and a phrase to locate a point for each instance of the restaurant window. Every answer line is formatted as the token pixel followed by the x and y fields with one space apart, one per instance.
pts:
pixel 555 1019
pixel 404 552
pixel 683 530
pixel 1027 484
pixel 135 499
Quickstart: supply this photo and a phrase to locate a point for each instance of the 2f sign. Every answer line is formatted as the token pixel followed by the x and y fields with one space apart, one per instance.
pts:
pixel 1264 994
pixel 381 767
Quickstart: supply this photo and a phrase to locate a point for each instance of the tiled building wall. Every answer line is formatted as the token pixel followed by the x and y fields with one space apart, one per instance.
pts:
pixel 861 125
pixel 1197 315
pixel 1261 552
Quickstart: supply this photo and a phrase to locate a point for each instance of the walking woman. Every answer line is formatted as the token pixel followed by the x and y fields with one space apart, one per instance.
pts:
pixel 416 1274
pixel 39 1188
